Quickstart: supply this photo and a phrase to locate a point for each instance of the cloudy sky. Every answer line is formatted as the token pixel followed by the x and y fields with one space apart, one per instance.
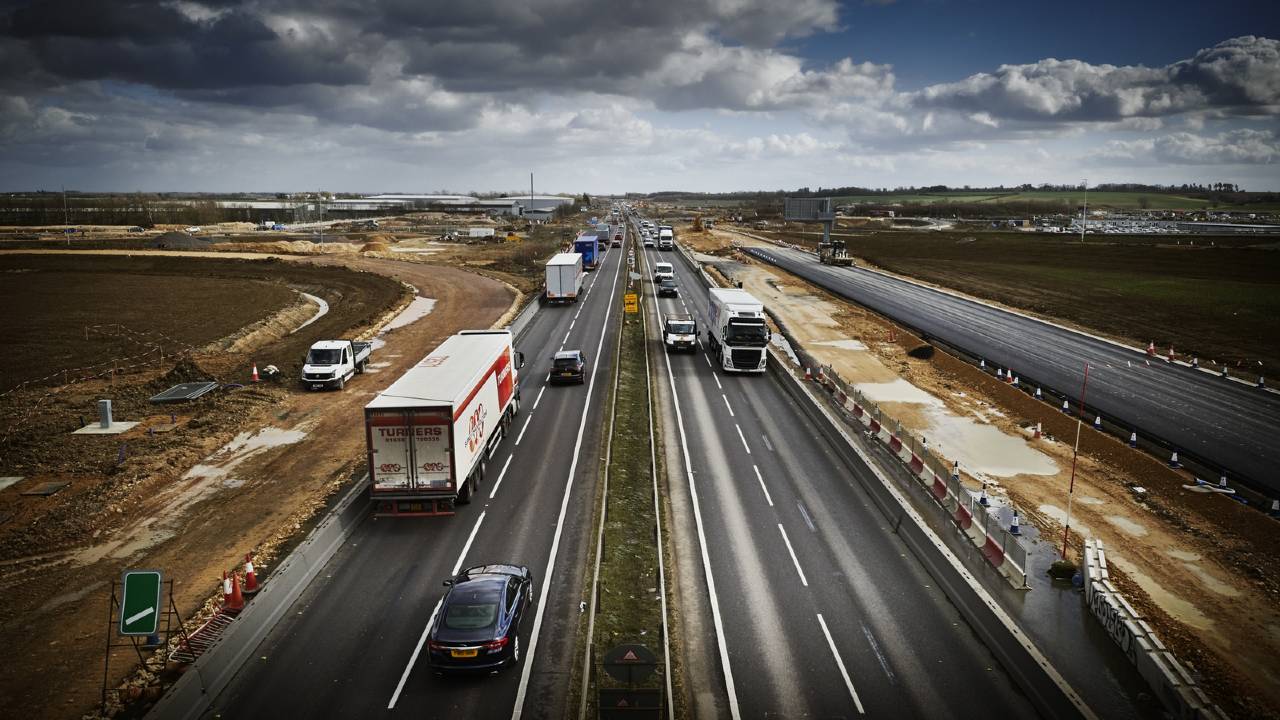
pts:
pixel 634 95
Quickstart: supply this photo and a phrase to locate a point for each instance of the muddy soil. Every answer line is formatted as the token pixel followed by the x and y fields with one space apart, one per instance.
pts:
pixel 245 469
pixel 1203 569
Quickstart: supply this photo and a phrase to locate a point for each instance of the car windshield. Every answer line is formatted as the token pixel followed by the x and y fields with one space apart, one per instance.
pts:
pixel 747 333
pixel 324 357
pixel 668 283
pixel 680 328
pixel 470 616
pixel 565 362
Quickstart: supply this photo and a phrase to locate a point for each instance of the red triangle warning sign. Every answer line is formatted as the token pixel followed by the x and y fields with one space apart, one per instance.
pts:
pixel 630 657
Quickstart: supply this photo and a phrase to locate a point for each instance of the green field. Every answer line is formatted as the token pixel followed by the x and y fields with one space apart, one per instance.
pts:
pixel 1068 199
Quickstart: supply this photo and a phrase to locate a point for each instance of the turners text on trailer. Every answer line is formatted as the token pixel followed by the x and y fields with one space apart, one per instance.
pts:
pixel 430 434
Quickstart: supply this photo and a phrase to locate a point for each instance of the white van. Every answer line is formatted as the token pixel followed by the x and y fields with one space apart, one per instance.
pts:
pixel 663 271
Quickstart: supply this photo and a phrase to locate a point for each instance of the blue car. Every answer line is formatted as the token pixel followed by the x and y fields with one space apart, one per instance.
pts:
pixel 478 624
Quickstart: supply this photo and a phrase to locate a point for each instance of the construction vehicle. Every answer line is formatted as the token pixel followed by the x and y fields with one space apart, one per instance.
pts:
pixel 834 253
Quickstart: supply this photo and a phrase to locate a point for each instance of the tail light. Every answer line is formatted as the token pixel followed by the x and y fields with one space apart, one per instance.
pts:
pixel 496 645
pixel 438 647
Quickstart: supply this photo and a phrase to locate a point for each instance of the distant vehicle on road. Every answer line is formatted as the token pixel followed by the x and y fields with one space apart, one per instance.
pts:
pixel 679 332
pixel 834 253
pixel 331 363
pixel 738 334
pixel 648 240
pixel 430 432
pixel 666 239
pixel 478 624
pixel 663 271
pixel 667 286
pixel 564 278
pixel 587 246
pixel 568 366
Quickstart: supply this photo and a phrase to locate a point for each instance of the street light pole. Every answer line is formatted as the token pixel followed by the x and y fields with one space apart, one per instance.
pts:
pixel 1075 454
pixel 1084 211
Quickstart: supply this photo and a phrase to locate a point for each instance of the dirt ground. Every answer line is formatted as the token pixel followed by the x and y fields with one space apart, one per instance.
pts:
pixel 246 469
pixel 1203 569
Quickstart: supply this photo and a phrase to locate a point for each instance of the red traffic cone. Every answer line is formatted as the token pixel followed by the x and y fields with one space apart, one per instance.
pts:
pixel 255 377
pixel 1151 349
pixel 1039 431
pixel 234 598
pixel 250 579
pixel 808 375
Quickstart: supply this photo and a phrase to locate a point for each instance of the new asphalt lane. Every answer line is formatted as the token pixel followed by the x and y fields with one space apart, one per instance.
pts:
pixel 1225 424
pixel 822 612
pixel 351 646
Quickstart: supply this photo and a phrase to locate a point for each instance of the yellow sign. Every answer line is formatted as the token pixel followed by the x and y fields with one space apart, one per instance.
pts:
pixel 631 303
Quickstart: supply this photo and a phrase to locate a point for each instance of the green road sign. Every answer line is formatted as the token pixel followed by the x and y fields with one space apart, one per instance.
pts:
pixel 140 602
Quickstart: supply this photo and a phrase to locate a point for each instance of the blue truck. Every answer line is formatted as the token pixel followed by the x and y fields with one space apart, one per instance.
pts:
pixel 586 246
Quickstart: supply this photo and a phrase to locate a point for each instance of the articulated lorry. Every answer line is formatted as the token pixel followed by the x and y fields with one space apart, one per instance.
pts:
pixel 738 335
pixel 564 278
pixel 586 246
pixel 431 432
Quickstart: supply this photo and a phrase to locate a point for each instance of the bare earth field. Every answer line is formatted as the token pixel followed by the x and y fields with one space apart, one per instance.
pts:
pixel 247 468
pixel 1203 569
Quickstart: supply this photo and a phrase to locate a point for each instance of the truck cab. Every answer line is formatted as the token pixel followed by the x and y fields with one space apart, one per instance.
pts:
pixel 666 238
pixel 663 271
pixel 680 332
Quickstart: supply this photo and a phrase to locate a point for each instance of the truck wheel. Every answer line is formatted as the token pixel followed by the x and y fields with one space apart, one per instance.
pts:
pixel 464 494
pixel 342 383
pixel 360 367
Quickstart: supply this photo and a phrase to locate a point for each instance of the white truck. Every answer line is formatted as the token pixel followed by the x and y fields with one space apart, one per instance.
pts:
pixel 738 335
pixel 666 238
pixel 564 278
pixel 431 432
pixel 331 363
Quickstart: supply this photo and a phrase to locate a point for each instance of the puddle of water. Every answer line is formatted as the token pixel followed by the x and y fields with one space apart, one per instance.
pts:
pixel 1184 556
pixel 845 344
pixel 380 365
pixel 897 391
pixel 137 539
pixel 1060 516
pixel 416 310
pixel 1211 582
pixel 320 312
pixel 1090 500
pixel 983 449
pixel 219 465
pixel 1172 604
pixel 1127 526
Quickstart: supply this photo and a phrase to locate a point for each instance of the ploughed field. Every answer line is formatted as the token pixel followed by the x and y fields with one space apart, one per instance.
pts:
pixel 1218 302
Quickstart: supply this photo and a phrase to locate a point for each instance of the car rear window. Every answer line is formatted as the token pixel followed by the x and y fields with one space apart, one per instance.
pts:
pixel 469 616
pixel 566 362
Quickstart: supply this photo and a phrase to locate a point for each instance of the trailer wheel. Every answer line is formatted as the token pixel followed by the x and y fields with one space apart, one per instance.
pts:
pixel 464 494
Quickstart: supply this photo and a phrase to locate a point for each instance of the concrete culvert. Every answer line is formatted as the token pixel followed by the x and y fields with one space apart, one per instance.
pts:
pixel 924 351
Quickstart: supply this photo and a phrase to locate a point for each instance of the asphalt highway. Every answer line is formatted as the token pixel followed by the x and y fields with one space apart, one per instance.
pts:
pixel 1224 424
pixel 349 647
pixel 820 611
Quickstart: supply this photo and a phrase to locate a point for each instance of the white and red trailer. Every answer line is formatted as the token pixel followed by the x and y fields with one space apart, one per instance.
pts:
pixel 431 432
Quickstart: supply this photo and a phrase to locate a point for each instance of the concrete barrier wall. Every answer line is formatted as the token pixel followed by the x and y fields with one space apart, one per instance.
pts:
pixel 1171 682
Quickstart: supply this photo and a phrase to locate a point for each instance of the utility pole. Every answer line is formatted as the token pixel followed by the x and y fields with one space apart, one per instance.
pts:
pixel 531 194
pixel 66 217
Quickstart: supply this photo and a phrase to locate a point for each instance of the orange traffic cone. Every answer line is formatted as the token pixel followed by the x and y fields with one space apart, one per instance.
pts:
pixel 1151 349
pixel 1039 431
pixel 808 375
pixel 250 579
pixel 255 372
pixel 234 599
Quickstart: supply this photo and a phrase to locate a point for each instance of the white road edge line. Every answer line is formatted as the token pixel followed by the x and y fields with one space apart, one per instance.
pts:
pixel 840 664
pixel 762 487
pixel 501 475
pixel 796 561
pixel 727 405
pixel 527 418
pixel 539 398
pixel 713 367
pixel 743 438
pixel 715 376
pixel 526 671
pixel 721 640
pixel 566 339
pixel 413 659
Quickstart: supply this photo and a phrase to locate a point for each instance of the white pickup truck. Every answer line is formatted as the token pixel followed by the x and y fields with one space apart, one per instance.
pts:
pixel 331 363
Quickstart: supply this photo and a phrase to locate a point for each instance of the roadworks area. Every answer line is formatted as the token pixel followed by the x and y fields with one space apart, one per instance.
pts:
pixel 1201 567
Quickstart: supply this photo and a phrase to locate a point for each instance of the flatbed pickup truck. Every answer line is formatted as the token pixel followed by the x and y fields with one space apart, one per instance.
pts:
pixel 331 363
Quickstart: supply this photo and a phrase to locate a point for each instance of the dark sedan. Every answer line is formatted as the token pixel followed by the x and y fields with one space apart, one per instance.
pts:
pixel 478 624
pixel 568 366
pixel 667 286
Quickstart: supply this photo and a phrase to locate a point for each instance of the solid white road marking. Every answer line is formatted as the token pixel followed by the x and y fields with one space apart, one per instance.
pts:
pixel 762 487
pixel 501 475
pixel 792 552
pixel 726 404
pixel 539 398
pixel 431 620
pixel 743 438
pixel 840 663
pixel 525 427
pixel 518 710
